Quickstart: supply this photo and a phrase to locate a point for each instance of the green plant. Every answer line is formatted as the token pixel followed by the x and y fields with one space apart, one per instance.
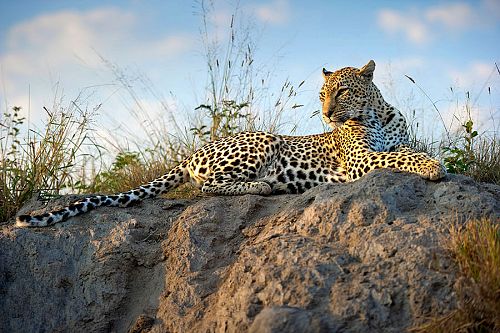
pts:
pixel 112 180
pixel 128 170
pixel 459 158
pixel 225 120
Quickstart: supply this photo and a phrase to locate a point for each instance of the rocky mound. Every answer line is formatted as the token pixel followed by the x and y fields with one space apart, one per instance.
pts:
pixel 364 256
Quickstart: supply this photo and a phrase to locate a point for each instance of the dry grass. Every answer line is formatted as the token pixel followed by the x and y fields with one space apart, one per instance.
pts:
pixel 185 191
pixel 480 161
pixel 41 162
pixel 475 248
pixel 238 97
pixel 130 171
pixel 463 149
pixel 485 166
pixel 127 171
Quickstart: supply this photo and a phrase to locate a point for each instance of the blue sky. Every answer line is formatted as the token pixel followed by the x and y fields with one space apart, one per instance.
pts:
pixel 52 49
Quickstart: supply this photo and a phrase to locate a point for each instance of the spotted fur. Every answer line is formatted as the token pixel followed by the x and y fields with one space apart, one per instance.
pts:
pixel 264 163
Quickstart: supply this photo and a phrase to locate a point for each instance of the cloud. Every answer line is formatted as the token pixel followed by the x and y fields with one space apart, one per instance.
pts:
pixel 422 25
pixel 66 45
pixel 63 35
pixel 169 46
pixel 277 12
pixel 59 36
pixel 476 75
pixel 395 22
pixel 453 16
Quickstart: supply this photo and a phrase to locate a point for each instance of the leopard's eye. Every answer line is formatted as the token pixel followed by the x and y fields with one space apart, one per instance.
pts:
pixel 341 91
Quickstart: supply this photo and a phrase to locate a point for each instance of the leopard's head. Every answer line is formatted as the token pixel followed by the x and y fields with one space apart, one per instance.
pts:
pixel 345 93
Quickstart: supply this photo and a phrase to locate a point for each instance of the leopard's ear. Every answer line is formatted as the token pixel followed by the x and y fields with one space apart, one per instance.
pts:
pixel 326 73
pixel 367 70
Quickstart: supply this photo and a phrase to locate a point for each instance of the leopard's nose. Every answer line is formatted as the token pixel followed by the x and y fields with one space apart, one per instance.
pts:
pixel 327 109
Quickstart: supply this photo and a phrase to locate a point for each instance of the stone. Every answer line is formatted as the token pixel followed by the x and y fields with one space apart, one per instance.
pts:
pixel 364 256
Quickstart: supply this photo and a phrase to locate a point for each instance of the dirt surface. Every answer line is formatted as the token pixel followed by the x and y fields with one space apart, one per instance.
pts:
pixel 364 256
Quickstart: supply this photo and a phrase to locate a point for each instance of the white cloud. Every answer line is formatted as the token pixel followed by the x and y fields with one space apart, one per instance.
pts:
pixel 422 25
pixel 275 12
pixel 453 16
pixel 59 36
pixel 475 75
pixel 169 46
pixel 395 22
pixel 65 46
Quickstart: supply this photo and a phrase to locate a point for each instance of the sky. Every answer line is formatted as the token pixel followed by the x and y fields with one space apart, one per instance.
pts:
pixel 112 56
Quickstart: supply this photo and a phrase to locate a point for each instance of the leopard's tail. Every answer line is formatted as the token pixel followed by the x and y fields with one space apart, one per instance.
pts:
pixel 163 184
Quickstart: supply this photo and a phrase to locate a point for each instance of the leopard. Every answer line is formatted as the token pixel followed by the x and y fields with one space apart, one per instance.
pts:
pixel 262 163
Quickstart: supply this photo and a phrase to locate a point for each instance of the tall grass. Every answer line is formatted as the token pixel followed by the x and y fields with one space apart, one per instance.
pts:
pixel 238 96
pixel 463 149
pixel 41 162
pixel 238 92
pixel 475 248
pixel 485 166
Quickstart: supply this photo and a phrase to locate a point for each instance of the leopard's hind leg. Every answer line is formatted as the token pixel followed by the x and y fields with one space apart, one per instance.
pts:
pixel 223 184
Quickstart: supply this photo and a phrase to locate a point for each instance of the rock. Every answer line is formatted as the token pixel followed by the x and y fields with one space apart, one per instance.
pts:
pixel 364 256
pixel 285 320
pixel 143 324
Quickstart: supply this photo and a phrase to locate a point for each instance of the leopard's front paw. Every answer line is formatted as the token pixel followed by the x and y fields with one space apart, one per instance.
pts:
pixel 434 170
